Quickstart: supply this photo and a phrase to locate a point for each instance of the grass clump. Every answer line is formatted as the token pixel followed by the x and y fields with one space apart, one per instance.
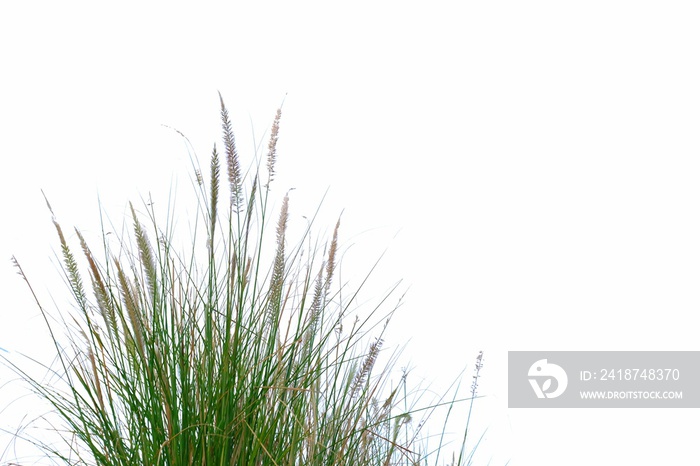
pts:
pixel 230 353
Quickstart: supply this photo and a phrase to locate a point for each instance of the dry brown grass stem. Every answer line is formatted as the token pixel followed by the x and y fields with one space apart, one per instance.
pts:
pixel 278 269
pixel 131 304
pixel 272 146
pixel 367 365
pixel 232 161
pixel 330 265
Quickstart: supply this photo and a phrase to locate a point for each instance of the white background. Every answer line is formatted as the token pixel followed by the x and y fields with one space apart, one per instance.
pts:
pixel 531 166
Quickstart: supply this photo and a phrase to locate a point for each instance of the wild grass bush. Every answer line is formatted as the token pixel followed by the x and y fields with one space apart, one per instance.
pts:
pixel 242 350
